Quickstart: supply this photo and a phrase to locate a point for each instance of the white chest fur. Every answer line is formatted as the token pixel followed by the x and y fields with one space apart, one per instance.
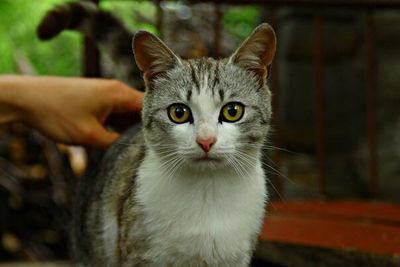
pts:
pixel 209 217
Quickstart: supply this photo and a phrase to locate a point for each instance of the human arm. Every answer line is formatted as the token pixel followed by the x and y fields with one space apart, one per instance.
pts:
pixel 67 110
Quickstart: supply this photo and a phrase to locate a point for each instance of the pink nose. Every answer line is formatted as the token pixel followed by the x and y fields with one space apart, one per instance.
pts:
pixel 206 144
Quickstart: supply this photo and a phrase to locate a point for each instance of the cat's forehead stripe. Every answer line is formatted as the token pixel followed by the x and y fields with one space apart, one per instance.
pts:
pixel 188 95
pixel 205 75
pixel 221 94
pixel 216 78
pixel 194 77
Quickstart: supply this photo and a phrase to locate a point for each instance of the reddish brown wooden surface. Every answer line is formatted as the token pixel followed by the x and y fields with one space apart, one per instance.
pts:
pixel 360 226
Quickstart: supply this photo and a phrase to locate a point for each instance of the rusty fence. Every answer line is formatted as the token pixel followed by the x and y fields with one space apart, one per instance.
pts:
pixel 91 63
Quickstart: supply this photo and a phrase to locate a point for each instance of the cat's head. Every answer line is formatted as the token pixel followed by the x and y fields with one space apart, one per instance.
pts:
pixel 206 113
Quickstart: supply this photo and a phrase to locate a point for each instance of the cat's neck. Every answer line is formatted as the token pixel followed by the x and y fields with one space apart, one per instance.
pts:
pixel 185 209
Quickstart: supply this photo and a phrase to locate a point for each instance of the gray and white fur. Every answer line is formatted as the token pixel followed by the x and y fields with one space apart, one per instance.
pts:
pixel 165 195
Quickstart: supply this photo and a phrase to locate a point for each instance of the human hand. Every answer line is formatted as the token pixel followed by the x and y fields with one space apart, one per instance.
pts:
pixel 73 110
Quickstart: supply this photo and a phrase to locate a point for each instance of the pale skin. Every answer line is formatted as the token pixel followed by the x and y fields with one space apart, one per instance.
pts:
pixel 67 110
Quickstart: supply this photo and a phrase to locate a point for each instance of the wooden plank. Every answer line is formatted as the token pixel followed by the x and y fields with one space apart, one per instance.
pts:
pixel 363 227
pixel 306 256
pixel 332 234
pixel 349 210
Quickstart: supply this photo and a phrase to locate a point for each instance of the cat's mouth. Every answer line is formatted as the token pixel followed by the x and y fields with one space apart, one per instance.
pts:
pixel 207 158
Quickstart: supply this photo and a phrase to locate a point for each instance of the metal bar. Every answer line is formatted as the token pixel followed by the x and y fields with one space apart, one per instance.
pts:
pixel 315 3
pixel 276 138
pixel 217 30
pixel 370 91
pixel 91 57
pixel 319 102
pixel 160 18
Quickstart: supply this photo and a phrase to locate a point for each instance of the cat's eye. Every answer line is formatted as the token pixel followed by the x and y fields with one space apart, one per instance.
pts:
pixel 179 113
pixel 231 112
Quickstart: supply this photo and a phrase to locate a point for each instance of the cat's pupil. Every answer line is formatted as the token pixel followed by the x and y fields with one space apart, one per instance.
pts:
pixel 232 110
pixel 179 112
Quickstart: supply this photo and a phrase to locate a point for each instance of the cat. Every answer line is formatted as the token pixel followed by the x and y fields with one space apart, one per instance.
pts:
pixel 186 188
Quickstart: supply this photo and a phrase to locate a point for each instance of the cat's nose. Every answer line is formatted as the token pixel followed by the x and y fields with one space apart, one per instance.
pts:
pixel 206 143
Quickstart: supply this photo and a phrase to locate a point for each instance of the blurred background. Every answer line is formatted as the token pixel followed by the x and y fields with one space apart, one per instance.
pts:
pixel 335 145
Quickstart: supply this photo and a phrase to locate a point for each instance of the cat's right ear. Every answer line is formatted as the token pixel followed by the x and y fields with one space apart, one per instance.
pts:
pixel 257 51
pixel 152 56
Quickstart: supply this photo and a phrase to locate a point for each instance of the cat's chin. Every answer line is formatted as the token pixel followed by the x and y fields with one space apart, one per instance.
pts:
pixel 206 164
pixel 207 159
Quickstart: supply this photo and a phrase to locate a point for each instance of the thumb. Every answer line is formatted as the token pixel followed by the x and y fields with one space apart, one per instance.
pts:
pixel 101 137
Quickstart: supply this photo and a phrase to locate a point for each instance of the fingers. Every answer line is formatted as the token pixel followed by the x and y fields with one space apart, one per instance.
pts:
pixel 117 98
pixel 127 99
pixel 98 136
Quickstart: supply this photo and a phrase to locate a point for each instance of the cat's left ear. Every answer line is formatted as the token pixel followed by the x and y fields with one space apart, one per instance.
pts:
pixel 152 56
pixel 257 51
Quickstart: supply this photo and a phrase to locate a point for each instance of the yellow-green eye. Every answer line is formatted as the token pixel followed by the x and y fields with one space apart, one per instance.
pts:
pixel 179 113
pixel 232 112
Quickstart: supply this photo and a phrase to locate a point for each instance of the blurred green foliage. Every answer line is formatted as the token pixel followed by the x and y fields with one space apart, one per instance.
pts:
pixel 62 55
pixel 18 22
pixel 239 21
pixel 137 15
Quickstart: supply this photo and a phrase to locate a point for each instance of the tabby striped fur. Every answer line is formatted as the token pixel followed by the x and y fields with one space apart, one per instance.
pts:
pixel 158 199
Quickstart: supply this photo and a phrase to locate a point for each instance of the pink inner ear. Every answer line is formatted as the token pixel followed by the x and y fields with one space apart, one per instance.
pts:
pixel 152 55
pixel 139 45
pixel 257 52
